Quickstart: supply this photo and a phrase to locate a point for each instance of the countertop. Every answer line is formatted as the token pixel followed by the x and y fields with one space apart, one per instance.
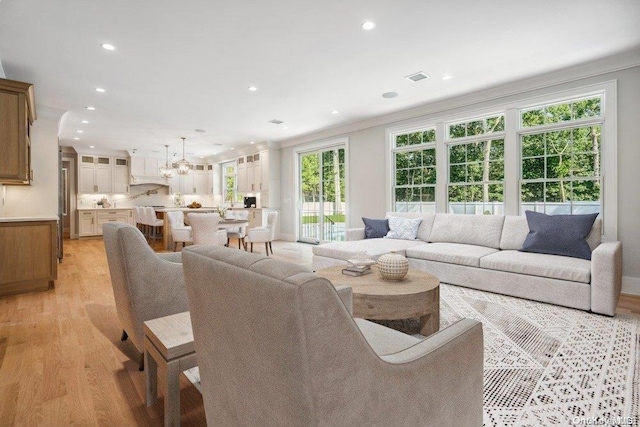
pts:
pixel 104 209
pixel 28 218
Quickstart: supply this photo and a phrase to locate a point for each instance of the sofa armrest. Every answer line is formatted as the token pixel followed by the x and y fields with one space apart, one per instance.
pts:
pixel 354 234
pixel 606 277
pixel 346 296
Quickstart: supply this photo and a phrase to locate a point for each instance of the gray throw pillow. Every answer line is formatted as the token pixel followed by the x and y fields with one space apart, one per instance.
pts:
pixel 559 234
pixel 375 228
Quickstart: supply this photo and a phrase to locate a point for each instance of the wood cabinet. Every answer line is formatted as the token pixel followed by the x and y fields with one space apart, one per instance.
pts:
pixel 17 113
pixel 96 174
pixel 28 256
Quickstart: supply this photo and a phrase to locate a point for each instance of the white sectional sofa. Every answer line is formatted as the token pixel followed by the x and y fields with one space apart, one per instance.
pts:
pixel 482 252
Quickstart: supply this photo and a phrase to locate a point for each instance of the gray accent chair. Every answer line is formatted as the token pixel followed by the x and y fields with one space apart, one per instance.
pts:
pixel 146 285
pixel 277 345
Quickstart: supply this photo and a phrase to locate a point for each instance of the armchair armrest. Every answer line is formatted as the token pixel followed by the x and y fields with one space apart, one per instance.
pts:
pixel 354 234
pixel 445 371
pixel 606 277
pixel 346 296
pixel 171 256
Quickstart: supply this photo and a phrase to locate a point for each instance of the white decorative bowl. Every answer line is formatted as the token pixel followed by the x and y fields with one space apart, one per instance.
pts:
pixel 392 266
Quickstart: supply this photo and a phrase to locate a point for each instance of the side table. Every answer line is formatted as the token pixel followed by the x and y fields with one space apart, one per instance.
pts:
pixel 168 350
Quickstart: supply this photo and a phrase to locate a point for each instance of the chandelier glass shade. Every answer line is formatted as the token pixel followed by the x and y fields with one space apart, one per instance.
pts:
pixel 166 171
pixel 183 167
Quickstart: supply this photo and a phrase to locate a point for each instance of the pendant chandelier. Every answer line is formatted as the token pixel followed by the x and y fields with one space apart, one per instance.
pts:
pixel 183 166
pixel 166 171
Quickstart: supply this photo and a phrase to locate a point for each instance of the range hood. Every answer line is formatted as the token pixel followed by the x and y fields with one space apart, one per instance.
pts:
pixel 148 179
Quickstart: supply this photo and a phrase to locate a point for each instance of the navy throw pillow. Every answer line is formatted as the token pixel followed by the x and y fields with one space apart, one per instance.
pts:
pixel 559 234
pixel 375 228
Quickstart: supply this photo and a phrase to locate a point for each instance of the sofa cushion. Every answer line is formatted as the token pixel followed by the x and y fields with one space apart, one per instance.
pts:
pixel 451 253
pixel 559 234
pixel 533 264
pixel 425 225
pixel 403 228
pixel 375 228
pixel 516 228
pixel 479 230
pixel 372 247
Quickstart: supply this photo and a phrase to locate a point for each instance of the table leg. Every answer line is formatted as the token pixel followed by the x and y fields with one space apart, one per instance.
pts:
pixel 152 378
pixel 172 394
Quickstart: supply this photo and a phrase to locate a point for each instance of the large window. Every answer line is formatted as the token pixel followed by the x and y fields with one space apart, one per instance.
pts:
pixel 560 157
pixel 414 155
pixel 476 166
pixel 549 153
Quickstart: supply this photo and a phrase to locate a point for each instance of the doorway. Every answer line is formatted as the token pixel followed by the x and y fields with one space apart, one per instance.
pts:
pixel 322 195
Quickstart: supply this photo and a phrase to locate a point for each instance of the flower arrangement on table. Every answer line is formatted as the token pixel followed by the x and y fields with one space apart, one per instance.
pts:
pixel 178 200
pixel 222 210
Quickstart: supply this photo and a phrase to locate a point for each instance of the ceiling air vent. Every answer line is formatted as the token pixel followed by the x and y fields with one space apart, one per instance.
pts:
pixel 416 77
pixel 276 122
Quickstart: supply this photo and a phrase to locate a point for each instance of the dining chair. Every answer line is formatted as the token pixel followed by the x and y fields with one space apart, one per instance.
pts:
pixel 153 223
pixel 180 233
pixel 205 229
pixel 237 232
pixel 263 234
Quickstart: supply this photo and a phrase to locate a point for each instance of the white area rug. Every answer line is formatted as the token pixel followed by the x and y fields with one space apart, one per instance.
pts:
pixel 546 365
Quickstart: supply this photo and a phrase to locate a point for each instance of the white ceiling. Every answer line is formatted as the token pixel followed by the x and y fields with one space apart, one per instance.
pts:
pixel 186 65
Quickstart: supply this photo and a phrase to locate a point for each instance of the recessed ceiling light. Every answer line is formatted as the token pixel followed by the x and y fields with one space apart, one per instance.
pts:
pixel 447 77
pixel 85 121
pixel 76 138
pixel 92 146
pixel 252 88
pixel 101 90
pixel 202 157
pixel 90 108
pixel 368 25
pixel 231 148
pixel 108 46
pixel 252 142
pixel 389 95
pixel 285 127
pixel 335 112
pixel 80 131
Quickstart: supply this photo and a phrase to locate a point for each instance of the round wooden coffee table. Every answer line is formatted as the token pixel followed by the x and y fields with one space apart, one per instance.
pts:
pixel 417 295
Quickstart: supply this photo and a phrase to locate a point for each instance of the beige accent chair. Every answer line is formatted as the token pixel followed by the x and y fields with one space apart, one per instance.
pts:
pixel 146 285
pixel 237 232
pixel 180 233
pixel 205 229
pixel 264 234
pixel 277 345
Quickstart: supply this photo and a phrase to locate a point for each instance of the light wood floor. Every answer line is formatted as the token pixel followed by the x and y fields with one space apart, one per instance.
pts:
pixel 62 361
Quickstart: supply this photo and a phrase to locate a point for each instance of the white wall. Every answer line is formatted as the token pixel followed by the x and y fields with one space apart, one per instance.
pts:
pixel 366 168
pixel 41 197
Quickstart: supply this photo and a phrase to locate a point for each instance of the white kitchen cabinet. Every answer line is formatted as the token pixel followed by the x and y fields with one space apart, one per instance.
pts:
pixel 96 174
pixel 199 179
pixel 253 172
pixel 264 170
pixel 208 188
pixel 87 223
pixel 120 175
pixel 241 174
pixel 106 215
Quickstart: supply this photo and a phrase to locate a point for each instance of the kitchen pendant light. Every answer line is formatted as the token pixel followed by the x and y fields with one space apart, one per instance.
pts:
pixel 166 171
pixel 183 166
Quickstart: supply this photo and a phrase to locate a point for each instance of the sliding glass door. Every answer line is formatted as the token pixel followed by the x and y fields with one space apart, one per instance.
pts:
pixel 321 202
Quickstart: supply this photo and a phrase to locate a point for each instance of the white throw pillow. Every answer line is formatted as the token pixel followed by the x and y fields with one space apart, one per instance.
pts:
pixel 403 228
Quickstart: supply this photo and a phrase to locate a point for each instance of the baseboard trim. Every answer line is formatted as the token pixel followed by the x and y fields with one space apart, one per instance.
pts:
pixel 631 285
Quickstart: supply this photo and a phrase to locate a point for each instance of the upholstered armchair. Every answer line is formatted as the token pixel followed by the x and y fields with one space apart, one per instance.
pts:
pixel 264 234
pixel 180 233
pixel 277 345
pixel 146 285
pixel 205 229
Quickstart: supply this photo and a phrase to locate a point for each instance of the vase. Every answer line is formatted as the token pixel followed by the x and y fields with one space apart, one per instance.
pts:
pixel 392 266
